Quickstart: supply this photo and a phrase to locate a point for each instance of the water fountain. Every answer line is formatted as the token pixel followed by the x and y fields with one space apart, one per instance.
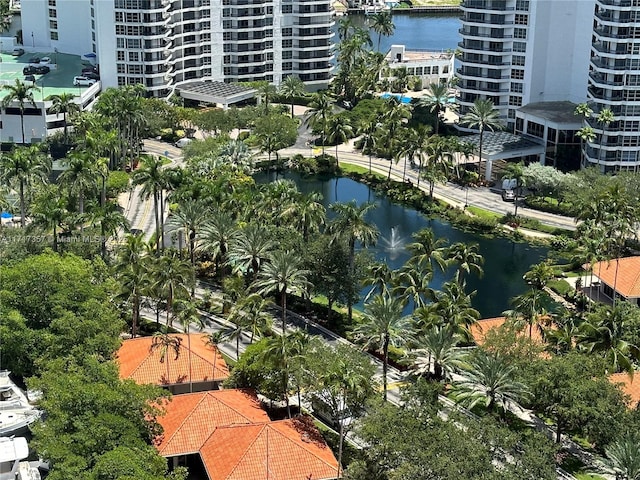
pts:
pixel 394 244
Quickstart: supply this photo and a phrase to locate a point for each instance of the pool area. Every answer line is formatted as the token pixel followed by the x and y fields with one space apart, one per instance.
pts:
pixel 406 99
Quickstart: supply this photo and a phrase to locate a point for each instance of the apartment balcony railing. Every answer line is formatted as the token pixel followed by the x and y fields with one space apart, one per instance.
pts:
pixel 497 35
pixel 486 5
pixel 618 3
pixel 465 45
pixel 601 80
pixel 485 20
pixel 606 32
pixel 619 49
pixel 617 65
pixel 607 16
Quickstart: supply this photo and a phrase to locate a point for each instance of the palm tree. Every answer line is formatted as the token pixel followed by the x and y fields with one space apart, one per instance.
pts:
pixel 111 220
pixel 319 110
pixel 382 24
pixel 436 100
pixel 237 327
pixel 218 233
pixel 439 161
pixel 338 132
pixel 283 274
pixel 166 343
pixel 250 249
pixel 23 166
pixel 64 104
pixel 528 310
pixel 49 211
pixel 80 177
pixel 277 353
pixel 213 339
pixel 488 380
pixel 467 258
pixel 515 171
pixel 384 325
pixel 604 118
pixel 173 277
pixel 482 116
pixel 306 213
pixel 623 456
pixel 189 218
pixel 256 314
pixel 187 314
pixel 379 276
pixel 351 226
pixel 21 93
pixel 452 308
pixel 149 177
pixel 290 88
pixel 586 133
pixel 393 119
pixel 426 249
pixel 266 92
pixel 437 349
pixel 368 132
pixel 412 281
pixel 133 276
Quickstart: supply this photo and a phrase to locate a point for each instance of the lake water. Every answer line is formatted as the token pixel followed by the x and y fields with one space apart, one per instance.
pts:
pixel 505 261
pixel 418 32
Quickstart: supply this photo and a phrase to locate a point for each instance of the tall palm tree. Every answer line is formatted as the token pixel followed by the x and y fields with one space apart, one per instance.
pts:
pixel 133 275
pixel 22 93
pixel 23 166
pixel 290 88
pixel 351 226
pixel 149 177
pixel 528 310
pixel 257 318
pixel 436 100
pixel 213 339
pixel 515 171
pixel 379 277
pixel 482 116
pixel 426 249
pixel 173 277
pixel 384 326
pixel 189 217
pixel 369 139
pixel 412 281
pixel 604 118
pixel 586 134
pixel 80 177
pixel 277 352
pixel 283 274
pixel 166 343
pixel 382 24
pixel 452 308
pixel 187 314
pixel 436 350
pixel 250 249
pixel 111 220
pixel 64 104
pixel 490 381
pixel 266 92
pixel 217 235
pixel 394 117
pixel 49 211
pixel 623 456
pixel 320 109
pixel 306 213
pixel 467 258
pixel 338 132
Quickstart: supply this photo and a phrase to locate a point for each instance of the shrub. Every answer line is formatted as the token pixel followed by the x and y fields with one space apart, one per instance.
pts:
pixel 117 182
pixel 561 287
pixel 244 135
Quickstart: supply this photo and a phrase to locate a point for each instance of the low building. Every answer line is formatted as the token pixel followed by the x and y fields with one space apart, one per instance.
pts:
pixel 428 66
pixel 630 386
pixel 620 277
pixel 227 435
pixel 196 366
pixel 480 329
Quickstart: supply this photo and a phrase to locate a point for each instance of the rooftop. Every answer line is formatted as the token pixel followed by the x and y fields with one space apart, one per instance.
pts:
pixel 59 80
pixel 629 385
pixel 480 329
pixel 555 112
pixel 419 56
pixel 504 145
pixel 140 362
pixel 215 92
pixel 624 273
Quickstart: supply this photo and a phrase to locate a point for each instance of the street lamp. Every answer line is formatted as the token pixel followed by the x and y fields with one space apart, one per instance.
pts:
pixel 55 56
pixel 33 40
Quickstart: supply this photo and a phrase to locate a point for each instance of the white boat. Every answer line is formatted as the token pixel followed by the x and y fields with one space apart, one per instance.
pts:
pixel 16 413
pixel 12 451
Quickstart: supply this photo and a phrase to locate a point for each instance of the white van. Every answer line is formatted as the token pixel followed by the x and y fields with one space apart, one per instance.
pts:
pixel 183 142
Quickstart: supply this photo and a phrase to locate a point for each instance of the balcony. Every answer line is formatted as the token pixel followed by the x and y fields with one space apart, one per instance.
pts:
pixel 468 33
pixel 486 5
pixel 616 3
pixel 485 20
pixel 600 79
pixel 608 17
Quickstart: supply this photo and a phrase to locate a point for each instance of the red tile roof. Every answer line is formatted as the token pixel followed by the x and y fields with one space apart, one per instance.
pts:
pixel 628 275
pixel 286 449
pixel 629 385
pixel 191 418
pixel 141 363
pixel 480 329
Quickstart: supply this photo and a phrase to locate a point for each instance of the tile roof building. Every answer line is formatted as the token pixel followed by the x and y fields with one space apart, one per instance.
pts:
pixel 480 329
pixel 196 363
pixel 623 275
pixel 629 385
pixel 235 439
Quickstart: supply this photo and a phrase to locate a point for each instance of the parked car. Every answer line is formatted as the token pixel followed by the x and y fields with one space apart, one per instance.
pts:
pixel 34 60
pixel 91 75
pixel 83 81
pixel 29 70
pixel 42 69
pixel 183 142
pixel 89 70
pixel 508 196
pixel 30 78
pixel 45 60
pixel 17 52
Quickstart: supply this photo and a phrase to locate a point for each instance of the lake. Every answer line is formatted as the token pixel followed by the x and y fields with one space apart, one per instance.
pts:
pixel 505 261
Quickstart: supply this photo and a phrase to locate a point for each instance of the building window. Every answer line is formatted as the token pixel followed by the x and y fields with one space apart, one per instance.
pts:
pixel 120 56
pixel 287 32
pixel 53 13
pixel 517 60
pixel 517 74
pixel 287 54
pixel 519 47
pixel 134 69
pixel 519 33
pixel 54 35
pixel 287 43
pixel 120 42
pixel 122 81
pixel 52 3
pixel 287 8
pixel 134 57
pixel 119 17
pixel 53 24
pixel 287 66
pixel 522 19
pixel 121 68
pixel 134 43
pixel 515 101
pixel 516 87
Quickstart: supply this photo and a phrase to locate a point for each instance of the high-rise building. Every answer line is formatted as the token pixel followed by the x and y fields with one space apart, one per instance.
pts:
pixel 520 52
pixel 614 84
pixel 163 44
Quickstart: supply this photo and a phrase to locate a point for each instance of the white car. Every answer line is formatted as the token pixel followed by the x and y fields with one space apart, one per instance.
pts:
pixel 183 142
pixel 83 81
pixel 45 60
